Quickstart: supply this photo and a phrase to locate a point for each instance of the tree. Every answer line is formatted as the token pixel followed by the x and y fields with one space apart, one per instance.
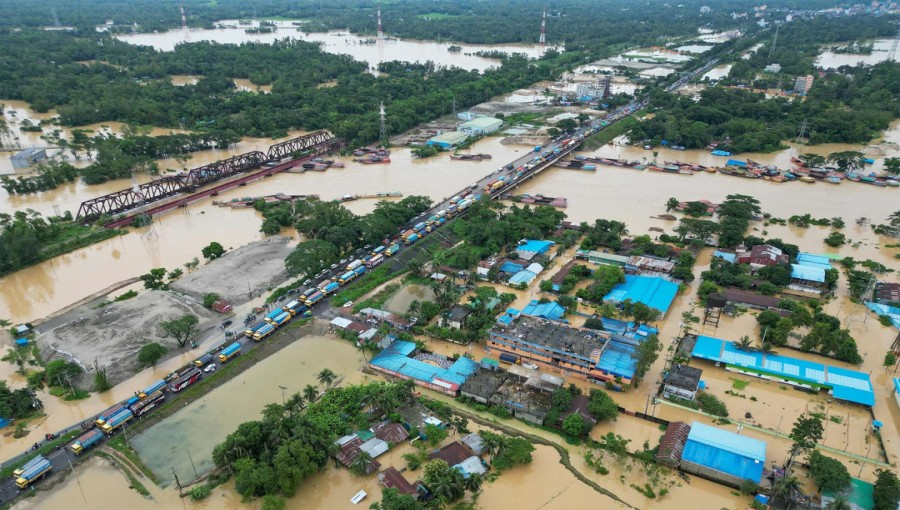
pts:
pixel 175 274
pixel 671 204
pixel 645 354
pixel 326 377
pixel 567 125
pixel 272 502
pixel 181 329
pixel 310 393
pixel 392 499
pixel 602 407
pixel 806 433
pixel 310 257
pixel 744 343
pixel 474 482
pixel 835 239
pixel 513 451
pixel 435 434
pixel 210 299
pixel 785 487
pixel 17 403
pixel 60 372
pixel 445 483
pixel 892 165
pixel 890 359
pixel 695 209
pixel 150 354
pixel 154 279
pixel 828 474
pixel 574 425
pixel 812 160
pixel 362 463
pixel 101 382
pixel 212 251
pixel 847 161
pixel 886 494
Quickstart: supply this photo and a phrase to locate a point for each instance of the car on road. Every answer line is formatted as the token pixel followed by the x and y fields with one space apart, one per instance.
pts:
pixel 321 273
pixel 344 261
pixel 334 266
pixel 530 365
pixel 348 304
pixel 210 368
pixel 227 323
pixel 307 282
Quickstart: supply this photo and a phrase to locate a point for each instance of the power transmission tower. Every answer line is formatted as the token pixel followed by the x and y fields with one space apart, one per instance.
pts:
pixel 774 42
pixel 380 31
pixel 543 39
pixel 803 126
pixel 383 132
pixel 892 55
pixel 184 27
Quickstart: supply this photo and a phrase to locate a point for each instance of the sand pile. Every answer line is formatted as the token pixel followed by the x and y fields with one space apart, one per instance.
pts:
pixel 259 264
pixel 113 334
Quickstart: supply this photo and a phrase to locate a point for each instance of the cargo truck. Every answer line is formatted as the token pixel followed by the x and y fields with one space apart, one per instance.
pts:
pixel 348 276
pixel 394 248
pixel 314 298
pixel 28 465
pixel 150 402
pixel 85 441
pixel 431 220
pixel 419 226
pixel 353 265
pixel 378 251
pixel 34 473
pixel 281 319
pixel 274 313
pixel 407 233
pixel 149 390
pixel 413 238
pixel 290 307
pixel 185 379
pixel 230 352
pixel 360 270
pixel 377 259
pixel 116 421
pixel 264 332
pixel 105 415
pixel 331 287
pixel 305 294
pixel 249 332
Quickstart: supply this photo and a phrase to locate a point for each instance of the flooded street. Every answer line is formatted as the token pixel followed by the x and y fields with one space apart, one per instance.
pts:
pixel 880 50
pixel 185 440
pixel 361 48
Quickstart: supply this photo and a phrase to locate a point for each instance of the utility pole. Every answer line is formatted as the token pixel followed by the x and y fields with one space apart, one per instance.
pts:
pixel 282 395
pixel 192 464
pixel 184 28
pixel 380 31
pixel 774 42
pixel 543 39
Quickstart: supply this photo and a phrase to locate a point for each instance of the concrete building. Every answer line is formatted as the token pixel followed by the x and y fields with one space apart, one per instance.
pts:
pixel 762 255
pixel 448 140
pixel 773 68
pixel 750 299
pixel 722 455
pixel 682 381
pixel 456 318
pixel 599 257
pixel 887 293
pixel 27 158
pixel 480 126
pixel 802 84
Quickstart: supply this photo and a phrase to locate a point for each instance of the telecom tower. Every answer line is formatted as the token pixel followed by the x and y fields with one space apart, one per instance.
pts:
pixel 380 31
pixel 892 55
pixel 184 27
pixel 383 133
pixel 543 40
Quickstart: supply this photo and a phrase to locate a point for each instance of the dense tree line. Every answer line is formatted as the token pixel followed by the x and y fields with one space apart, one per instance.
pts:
pixel 332 231
pixel 16 403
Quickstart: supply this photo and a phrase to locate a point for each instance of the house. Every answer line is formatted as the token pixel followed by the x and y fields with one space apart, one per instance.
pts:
pixel 482 385
pixel 471 466
pixel 480 126
pixel 398 361
pixel 722 455
pixel 391 433
pixel 452 453
pixel 599 257
pixel 671 446
pixel 762 255
pixel 28 157
pixel 682 381
pixel 725 255
pixel 456 318
pixel 808 273
pixel 447 140
pixel 529 249
pixel 474 442
pixel 390 478
pixel 647 264
pixel 551 310
pixel 887 293
pixel 579 405
pixel 653 291
pixel 751 299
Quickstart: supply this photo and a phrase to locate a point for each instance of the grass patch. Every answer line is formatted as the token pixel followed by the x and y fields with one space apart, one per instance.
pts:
pixel 45 449
pixel 68 394
pixel 533 118
pixel 118 444
pixel 836 419
pixel 132 480
pixel 71 237
pixel 378 299
pixel 739 384
pixel 605 135
pixel 362 286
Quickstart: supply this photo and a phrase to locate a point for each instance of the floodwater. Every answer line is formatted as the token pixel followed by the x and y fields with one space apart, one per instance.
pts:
pixel 718 72
pixel 694 48
pixel 186 439
pixel 399 302
pixel 337 42
pixel 881 49
pixel 178 236
pixel 245 85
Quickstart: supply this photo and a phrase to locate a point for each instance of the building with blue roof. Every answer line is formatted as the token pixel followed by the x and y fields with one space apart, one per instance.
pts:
pixel 897 390
pixel 550 310
pixel 531 248
pixel 843 384
pixel 724 255
pixel 509 267
pixel 653 291
pixel 396 361
pixel 722 455
pixel 522 277
pixel 809 270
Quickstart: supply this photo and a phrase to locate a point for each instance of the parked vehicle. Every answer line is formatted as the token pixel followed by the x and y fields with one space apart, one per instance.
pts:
pixel 85 441
pixel 185 379
pixel 314 298
pixel 105 415
pixel 153 388
pixel 230 352
pixel 263 332
pixel 252 331
pixel 150 402
pixel 28 465
pixel 117 421
pixel 34 473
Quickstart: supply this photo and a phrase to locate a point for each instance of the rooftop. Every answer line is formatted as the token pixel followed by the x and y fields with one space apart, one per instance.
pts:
pixel 535 246
pixel 393 479
pixel 552 310
pixel 396 359
pixel 391 433
pixel 653 291
pixel 470 466
pixel 844 384
pixel 474 442
pixel 483 383
pixel 683 376
pixel 751 298
pixel 450 138
pixel 483 122
pixel 734 454
pixel 452 453
pixel 555 337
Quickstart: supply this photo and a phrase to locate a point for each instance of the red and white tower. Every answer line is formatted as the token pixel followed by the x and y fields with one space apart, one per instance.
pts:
pixel 543 39
pixel 380 31
pixel 184 27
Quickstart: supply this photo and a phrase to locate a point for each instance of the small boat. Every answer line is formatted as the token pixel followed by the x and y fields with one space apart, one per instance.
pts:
pixel 359 496
pixel 807 179
pixel 892 183
pixel 719 152
pixel 868 161
pixel 677 148
pixel 797 161
pixel 833 179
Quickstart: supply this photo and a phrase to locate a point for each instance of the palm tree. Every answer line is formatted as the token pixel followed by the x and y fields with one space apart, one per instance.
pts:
pixel 838 503
pixel 766 348
pixel 474 483
pixel 415 308
pixel 785 488
pixel 405 390
pixel 311 393
pixel 295 403
pixel 326 377
pixel 361 463
pixel 492 443
pixel 744 343
pixel 671 203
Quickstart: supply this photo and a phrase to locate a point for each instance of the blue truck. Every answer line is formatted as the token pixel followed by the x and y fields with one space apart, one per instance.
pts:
pixel 105 415
pixel 34 473
pixel 85 441
pixel 274 313
pixel 116 421
pixel 28 465
pixel 153 388
pixel 230 352
pixel 249 332
pixel 314 298
pixel 331 287
pixel 264 332
pixel 281 319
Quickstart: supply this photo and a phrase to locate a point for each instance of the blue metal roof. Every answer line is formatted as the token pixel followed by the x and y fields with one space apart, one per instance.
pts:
pixel 735 162
pixel 552 310
pixel 892 312
pixel 721 450
pixel 808 273
pixel 396 358
pixel 844 384
pixel 653 291
pixel 521 277
pixel 511 267
pixel 897 385
pixel 535 246
pixel 724 255
pixel 812 260
pixel 618 359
